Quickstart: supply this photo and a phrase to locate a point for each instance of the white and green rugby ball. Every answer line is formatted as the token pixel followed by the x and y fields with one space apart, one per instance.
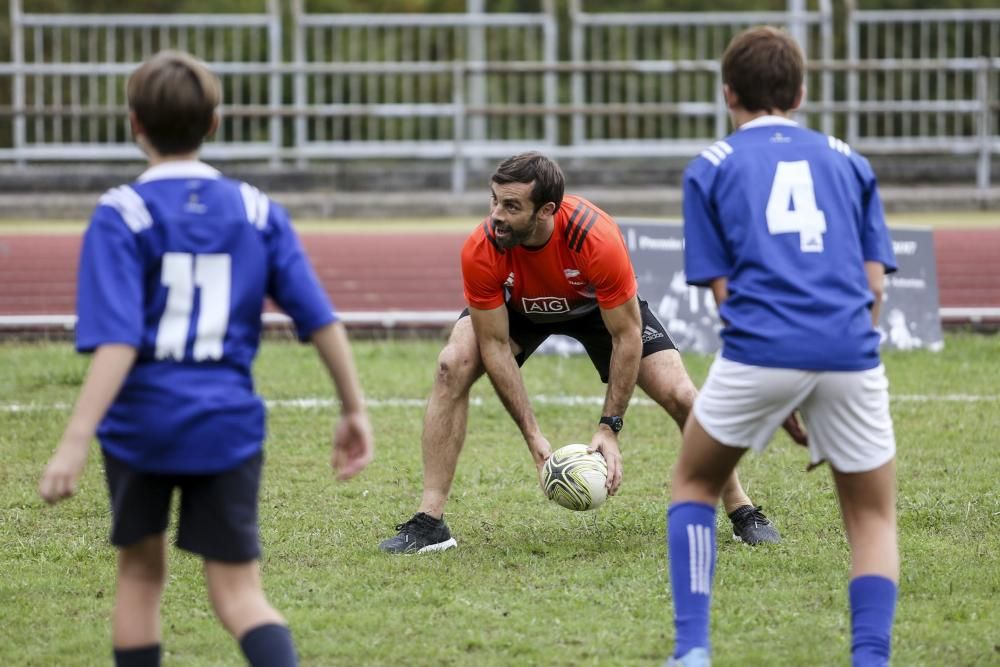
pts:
pixel 575 478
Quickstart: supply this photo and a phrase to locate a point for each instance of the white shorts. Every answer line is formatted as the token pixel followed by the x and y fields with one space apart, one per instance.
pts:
pixel 846 413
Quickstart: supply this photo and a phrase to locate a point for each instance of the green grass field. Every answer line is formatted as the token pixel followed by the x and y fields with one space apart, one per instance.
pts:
pixel 531 583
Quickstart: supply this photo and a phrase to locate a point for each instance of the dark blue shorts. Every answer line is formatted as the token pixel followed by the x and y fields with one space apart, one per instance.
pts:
pixel 218 512
pixel 590 330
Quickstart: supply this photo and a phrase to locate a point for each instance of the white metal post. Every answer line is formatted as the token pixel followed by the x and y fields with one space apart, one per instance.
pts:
pixel 275 58
pixel 476 53
pixel 17 58
pixel 852 74
pixel 577 55
pixel 826 50
pixel 550 33
pixel 299 82
pixel 985 115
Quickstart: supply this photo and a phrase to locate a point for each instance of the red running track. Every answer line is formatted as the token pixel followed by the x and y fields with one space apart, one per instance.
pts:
pixel 387 271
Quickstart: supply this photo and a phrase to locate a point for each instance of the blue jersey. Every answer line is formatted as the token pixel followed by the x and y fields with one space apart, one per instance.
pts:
pixel 177 265
pixel 788 216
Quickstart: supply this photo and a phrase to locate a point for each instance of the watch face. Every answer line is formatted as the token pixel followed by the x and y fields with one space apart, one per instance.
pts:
pixel 614 423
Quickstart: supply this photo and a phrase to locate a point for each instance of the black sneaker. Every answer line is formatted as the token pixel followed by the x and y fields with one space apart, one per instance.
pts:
pixel 750 526
pixel 421 534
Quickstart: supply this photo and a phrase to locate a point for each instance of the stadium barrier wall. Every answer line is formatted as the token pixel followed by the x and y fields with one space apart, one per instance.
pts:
pixel 909 320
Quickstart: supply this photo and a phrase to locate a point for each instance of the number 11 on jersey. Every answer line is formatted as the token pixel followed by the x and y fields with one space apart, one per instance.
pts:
pixel 181 274
pixel 791 207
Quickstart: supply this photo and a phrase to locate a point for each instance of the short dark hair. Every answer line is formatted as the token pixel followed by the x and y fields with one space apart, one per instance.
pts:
pixel 174 97
pixel 550 184
pixel 764 67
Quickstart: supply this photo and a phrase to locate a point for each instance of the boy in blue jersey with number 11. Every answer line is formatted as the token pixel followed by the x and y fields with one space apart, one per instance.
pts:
pixel 173 274
pixel 785 225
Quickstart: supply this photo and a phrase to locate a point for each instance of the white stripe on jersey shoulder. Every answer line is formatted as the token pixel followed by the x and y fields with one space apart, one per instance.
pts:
pixel 179 169
pixel 130 207
pixel 717 152
pixel 838 145
pixel 256 204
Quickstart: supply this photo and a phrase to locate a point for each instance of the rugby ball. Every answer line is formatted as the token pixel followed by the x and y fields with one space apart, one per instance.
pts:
pixel 575 478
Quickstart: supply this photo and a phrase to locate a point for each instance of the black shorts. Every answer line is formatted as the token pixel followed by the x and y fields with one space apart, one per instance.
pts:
pixel 218 513
pixel 590 330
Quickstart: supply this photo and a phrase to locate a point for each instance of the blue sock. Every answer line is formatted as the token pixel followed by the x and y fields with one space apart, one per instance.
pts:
pixel 691 544
pixel 269 645
pixel 873 603
pixel 144 656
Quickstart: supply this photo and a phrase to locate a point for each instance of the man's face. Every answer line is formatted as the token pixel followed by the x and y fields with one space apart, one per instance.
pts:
pixel 512 213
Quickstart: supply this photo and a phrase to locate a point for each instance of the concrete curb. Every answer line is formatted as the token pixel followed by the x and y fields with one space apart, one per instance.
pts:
pixel 635 202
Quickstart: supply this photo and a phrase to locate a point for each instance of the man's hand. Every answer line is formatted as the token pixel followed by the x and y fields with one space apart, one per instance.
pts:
pixel 795 430
pixel 353 444
pixel 541 450
pixel 606 442
pixel 62 474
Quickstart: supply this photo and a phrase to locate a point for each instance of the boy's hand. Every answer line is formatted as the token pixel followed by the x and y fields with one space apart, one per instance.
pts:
pixel 62 474
pixel 795 430
pixel 353 445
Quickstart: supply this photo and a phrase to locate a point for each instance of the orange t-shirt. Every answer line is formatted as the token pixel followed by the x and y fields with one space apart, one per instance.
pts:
pixel 584 264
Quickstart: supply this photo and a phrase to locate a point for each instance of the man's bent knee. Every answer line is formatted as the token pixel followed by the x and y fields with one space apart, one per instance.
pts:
pixel 457 369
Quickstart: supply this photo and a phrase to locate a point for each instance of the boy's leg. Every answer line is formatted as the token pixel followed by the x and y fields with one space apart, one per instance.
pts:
pixel 701 471
pixel 238 599
pixel 140 506
pixel 665 380
pixel 851 428
pixel 868 505
pixel 142 570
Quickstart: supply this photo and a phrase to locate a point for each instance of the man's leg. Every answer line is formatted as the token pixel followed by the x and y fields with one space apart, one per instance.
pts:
pixel 868 505
pixel 142 574
pixel 238 600
pixel 459 366
pixel 665 380
pixel 700 473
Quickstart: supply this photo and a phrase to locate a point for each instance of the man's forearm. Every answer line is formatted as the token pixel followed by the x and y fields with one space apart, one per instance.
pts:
pixel 506 379
pixel 626 354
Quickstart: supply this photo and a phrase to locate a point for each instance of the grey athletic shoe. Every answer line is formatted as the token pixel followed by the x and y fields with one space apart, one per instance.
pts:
pixel 421 534
pixel 696 657
pixel 750 526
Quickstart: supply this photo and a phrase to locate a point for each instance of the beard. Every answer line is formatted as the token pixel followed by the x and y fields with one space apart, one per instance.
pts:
pixel 513 237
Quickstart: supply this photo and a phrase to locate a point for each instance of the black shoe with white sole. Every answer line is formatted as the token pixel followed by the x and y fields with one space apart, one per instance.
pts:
pixel 750 526
pixel 421 534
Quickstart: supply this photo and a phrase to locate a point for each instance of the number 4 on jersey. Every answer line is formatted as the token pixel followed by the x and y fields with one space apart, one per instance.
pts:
pixel 791 207
pixel 181 274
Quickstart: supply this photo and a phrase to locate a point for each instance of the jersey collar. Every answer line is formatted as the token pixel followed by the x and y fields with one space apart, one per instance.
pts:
pixel 767 120
pixel 179 169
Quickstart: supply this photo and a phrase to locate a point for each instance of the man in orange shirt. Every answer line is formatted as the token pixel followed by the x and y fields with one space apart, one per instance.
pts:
pixel 541 264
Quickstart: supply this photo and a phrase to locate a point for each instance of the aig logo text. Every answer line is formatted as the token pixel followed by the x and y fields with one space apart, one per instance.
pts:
pixel 546 304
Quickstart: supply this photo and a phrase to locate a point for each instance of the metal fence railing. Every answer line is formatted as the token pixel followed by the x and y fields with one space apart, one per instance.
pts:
pixel 937 90
pixel 682 103
pixel 477 85
pixel 68 71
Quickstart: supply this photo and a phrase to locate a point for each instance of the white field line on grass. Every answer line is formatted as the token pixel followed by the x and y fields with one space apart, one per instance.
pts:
pixel 543 399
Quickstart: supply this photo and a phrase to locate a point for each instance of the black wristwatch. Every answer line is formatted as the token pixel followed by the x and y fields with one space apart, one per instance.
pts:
pixel 615 423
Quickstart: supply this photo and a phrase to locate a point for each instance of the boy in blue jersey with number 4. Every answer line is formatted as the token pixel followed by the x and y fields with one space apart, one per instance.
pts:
pixel 786 227
pixel 173 274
